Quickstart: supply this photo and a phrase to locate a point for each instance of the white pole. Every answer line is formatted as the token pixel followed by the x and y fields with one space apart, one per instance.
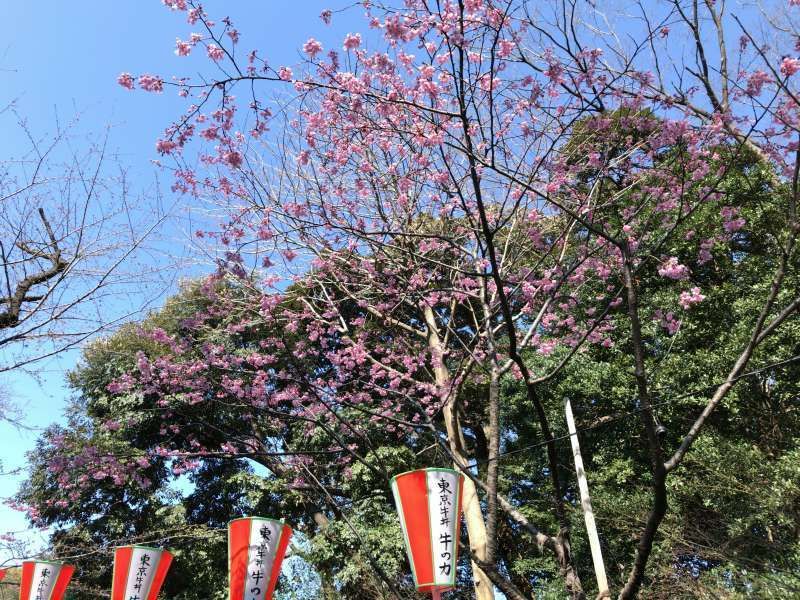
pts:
pixel 436 595
pixel 586 504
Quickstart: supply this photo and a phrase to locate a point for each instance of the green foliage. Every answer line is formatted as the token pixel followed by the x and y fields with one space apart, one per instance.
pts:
pixel 733 520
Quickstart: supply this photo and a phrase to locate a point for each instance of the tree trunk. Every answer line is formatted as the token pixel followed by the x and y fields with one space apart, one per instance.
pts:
pixel 659 508
pixel 476 526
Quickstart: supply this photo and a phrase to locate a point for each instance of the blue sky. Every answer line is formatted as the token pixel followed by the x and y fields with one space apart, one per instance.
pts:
pixel 60 58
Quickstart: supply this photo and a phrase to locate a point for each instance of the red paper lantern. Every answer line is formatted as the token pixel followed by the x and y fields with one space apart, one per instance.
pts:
pixel 2 574
pixel 139 572
pixel 44 580
pixel 429 504
pixel 256 547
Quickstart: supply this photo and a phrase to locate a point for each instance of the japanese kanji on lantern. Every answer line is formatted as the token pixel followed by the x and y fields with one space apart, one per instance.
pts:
pixel 139 572
pixel 44 580
pixel 429 504
pixel 256 547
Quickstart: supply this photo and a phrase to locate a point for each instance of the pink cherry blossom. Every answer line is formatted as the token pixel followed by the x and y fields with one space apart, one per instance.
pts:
pixel 166 146
pixel 790 66
pixel 182 48
pixel 505 48
pixel 690 298
pixel 175 4
pixel 730 222
pixel 352 41
pixel 233 158
pixel 312 47
pixel 112 425
pixel 667 321
pixel 151 83
pixel 704 254
pixel 126 80
pixel 756 81
pixel 215 53
pixel 672 269
pixel 734 225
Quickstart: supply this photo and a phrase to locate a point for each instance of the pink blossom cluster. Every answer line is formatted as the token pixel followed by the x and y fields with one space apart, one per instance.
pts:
pixel 731 222
pixel 667 321
pixel 690 298
pixel 790 66
pixel 312 47
pixel 672 269
pixel 352 41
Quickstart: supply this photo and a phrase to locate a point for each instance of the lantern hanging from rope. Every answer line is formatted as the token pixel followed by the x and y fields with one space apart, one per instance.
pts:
pixel 429 504
pixel 256 547
pixel 44 580
pixel 139 572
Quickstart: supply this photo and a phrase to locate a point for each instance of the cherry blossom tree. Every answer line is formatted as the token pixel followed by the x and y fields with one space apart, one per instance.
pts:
pixel 465 185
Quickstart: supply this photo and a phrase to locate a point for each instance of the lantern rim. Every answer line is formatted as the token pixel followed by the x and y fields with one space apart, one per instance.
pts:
pixel 432 587
pixel 141 547
pixel 426 469
pixel 270 519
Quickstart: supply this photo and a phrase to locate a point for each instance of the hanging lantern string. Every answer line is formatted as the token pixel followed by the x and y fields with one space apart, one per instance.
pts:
pixel 110 545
